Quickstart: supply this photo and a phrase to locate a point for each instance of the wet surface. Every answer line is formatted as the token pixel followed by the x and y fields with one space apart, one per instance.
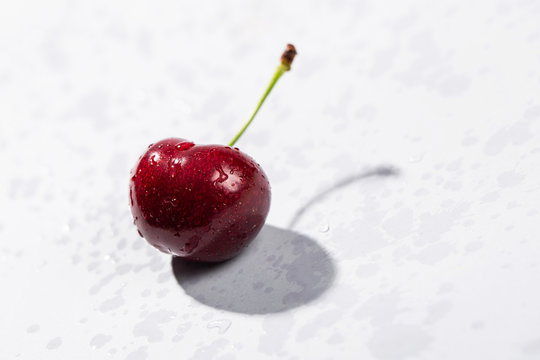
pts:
pixel 402 150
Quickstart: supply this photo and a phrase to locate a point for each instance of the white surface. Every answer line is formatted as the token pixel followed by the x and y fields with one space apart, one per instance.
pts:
pixel 441 261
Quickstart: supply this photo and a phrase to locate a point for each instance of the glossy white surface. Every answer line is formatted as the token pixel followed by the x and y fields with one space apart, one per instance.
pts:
pixel 403 152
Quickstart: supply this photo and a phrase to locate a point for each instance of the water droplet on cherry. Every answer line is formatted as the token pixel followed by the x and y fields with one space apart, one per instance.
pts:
pixel 153 159
pixel 184 145
pixel 222 175
pixel 192 244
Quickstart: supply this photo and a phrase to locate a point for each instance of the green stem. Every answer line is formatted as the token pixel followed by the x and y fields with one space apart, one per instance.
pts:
pixel 281 69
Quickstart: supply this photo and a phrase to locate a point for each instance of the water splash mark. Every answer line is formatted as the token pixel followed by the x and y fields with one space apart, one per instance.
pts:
pixel 221 325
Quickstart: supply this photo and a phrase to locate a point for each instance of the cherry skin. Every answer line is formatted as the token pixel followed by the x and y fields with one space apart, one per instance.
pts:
pixel 200 202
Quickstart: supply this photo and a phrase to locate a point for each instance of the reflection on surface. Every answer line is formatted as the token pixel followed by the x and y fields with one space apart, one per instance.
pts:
pixel 280 270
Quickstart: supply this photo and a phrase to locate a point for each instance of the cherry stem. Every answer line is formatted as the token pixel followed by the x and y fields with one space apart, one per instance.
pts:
pixel 286 61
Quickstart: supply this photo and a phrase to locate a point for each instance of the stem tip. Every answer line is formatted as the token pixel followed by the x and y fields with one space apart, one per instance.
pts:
pixel 288 56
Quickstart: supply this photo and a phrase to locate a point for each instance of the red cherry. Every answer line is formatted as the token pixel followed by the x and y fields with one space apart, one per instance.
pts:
pixel 199 202
pixel 202 202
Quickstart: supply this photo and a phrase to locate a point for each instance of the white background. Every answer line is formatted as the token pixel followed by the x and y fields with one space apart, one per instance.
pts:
pixel 403 151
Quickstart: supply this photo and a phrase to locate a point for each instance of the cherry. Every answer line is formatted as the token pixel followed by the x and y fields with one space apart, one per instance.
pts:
pixel 201 202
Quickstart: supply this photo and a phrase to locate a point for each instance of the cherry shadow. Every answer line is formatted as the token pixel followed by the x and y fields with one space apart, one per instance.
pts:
pixel 280 270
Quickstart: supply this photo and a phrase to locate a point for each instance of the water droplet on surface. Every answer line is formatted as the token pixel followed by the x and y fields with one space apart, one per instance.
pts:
pixel 184 145
pixel 33 329
pixel 99 341
pixel 221 325
pixel 140 233
pixel 324 228
pixel 182 328
pixel 416 158
pixel 149 146
pixel 54 343
pixel 177 338
pixel 174 202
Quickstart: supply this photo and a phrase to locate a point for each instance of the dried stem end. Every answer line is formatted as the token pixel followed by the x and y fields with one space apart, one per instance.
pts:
pixel 288 56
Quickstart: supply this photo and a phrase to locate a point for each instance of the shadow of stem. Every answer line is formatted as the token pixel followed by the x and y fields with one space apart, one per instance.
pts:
pixel 381 171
